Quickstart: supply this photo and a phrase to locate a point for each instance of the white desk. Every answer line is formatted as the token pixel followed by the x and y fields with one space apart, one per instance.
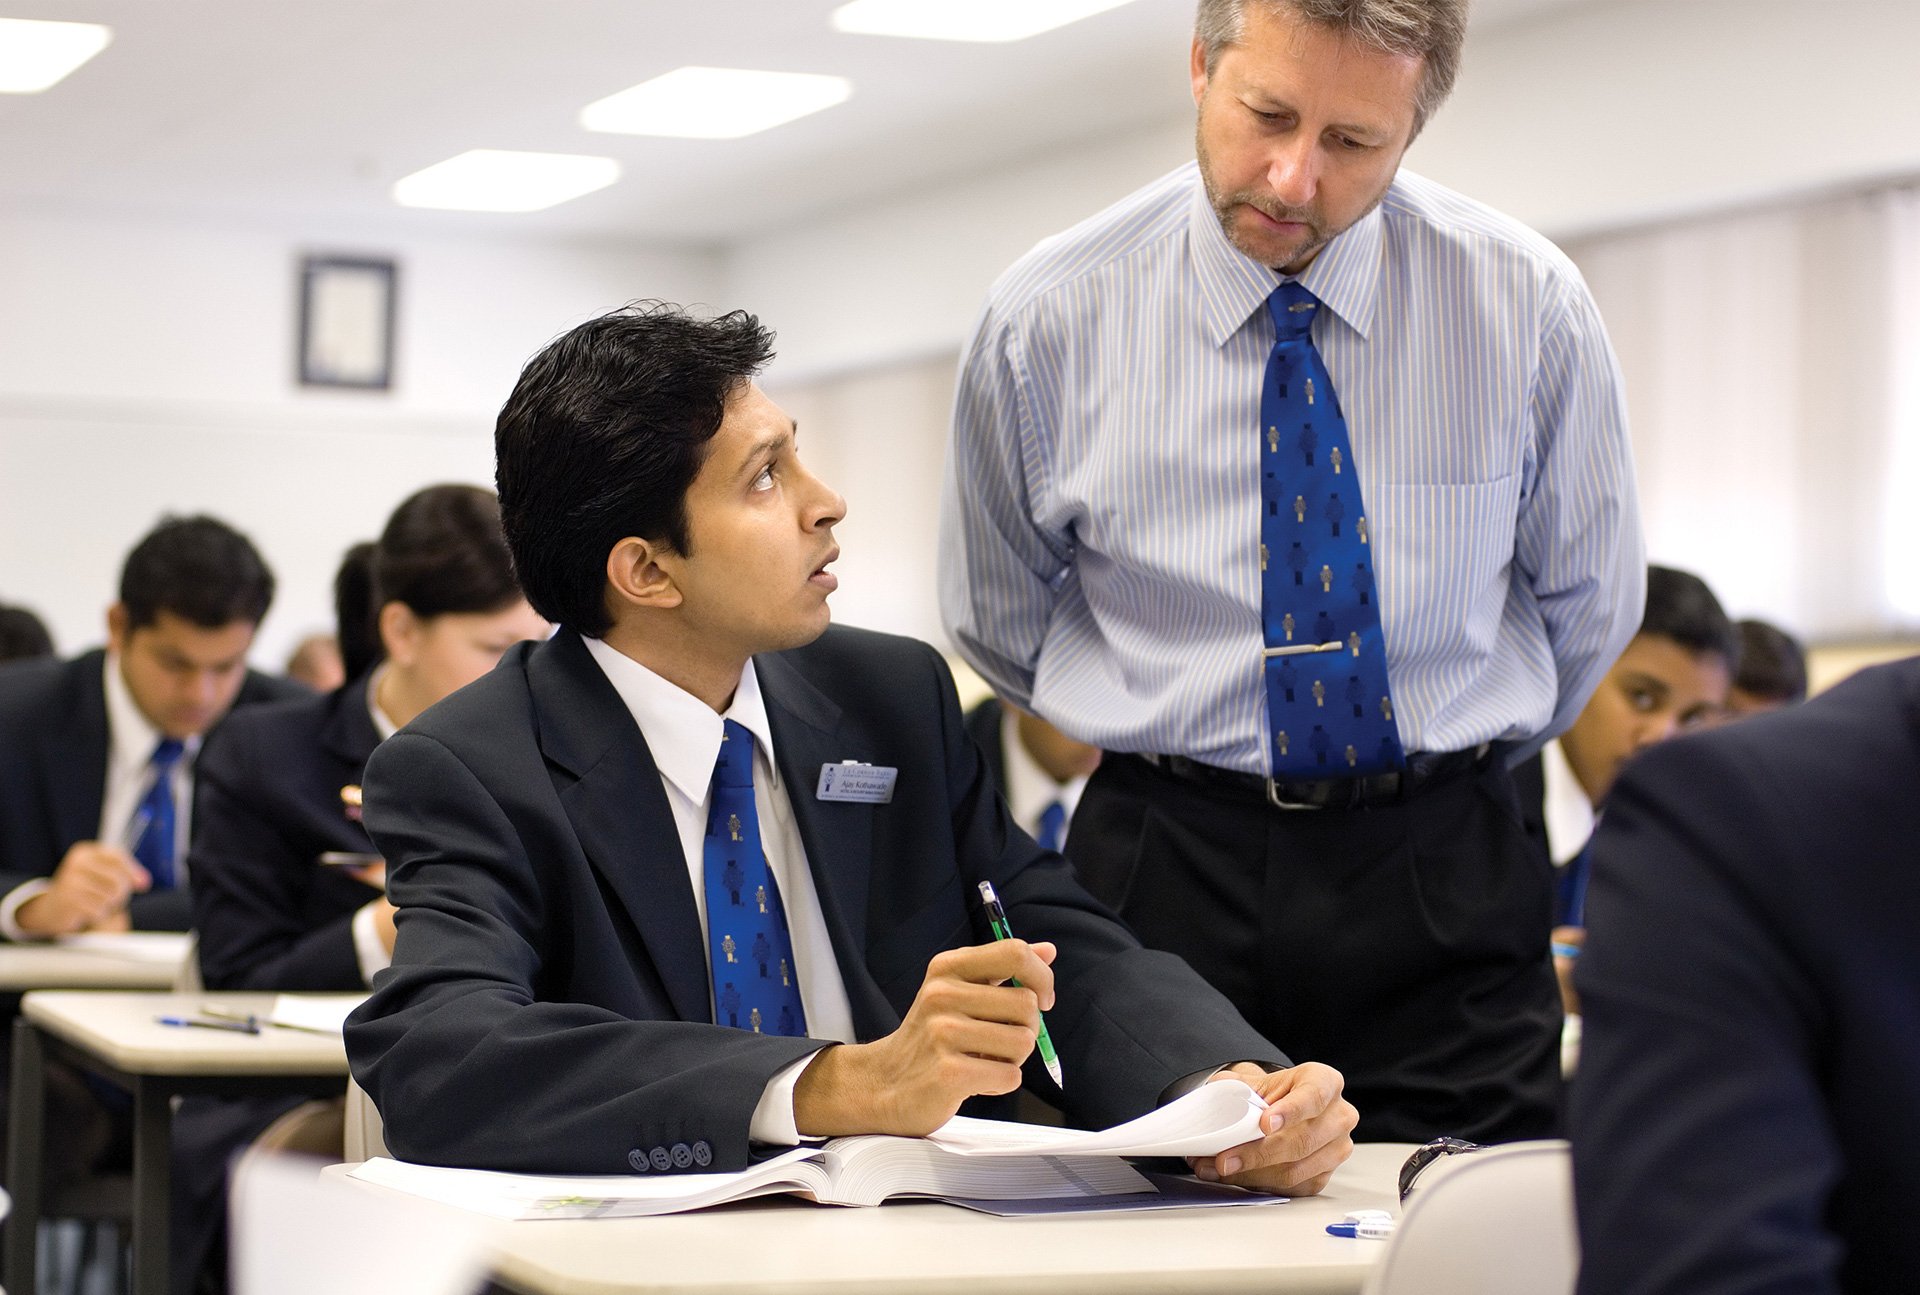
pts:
pixel 137 960
pixel 783 1247
pixel 114 1035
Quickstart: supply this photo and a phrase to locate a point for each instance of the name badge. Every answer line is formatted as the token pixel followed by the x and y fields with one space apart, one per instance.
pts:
pixel 856 783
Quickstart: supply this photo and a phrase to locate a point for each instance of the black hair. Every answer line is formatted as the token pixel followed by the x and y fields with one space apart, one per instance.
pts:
pixel 199 569
pixel 1772 663
pixel 354 611
pixel 22 635
pixel 603 434
pixel 1680 607
pixel 443 552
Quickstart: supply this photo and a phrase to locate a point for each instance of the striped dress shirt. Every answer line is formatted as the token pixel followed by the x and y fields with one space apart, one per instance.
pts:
pixel 1100 526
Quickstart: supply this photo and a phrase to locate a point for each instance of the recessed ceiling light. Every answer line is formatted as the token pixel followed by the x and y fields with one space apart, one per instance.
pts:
pixel 714 103
pixel 491 179
pixel 35 55
pixel 977 20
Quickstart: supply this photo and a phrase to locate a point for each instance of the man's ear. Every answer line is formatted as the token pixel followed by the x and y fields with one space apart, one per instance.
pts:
pixel 1199 71
pixel 640 574
pixel 117 627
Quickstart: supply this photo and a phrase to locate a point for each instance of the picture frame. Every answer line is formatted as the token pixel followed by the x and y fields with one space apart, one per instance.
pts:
pixel 347 306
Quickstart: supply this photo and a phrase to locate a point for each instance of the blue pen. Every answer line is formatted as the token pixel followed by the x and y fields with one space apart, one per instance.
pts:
pixel 235 1027
pixel 1362 1231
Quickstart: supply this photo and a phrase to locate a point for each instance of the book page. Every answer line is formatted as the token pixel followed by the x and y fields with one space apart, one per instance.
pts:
pixel 1206 1121
pixel 587 1196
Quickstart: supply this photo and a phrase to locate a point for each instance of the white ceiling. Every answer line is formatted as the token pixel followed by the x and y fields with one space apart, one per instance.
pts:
pixel 308 110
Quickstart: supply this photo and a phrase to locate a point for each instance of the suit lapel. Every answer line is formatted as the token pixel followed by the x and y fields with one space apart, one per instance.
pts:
pixel 838 837
pixel 619 811
pixel 76 754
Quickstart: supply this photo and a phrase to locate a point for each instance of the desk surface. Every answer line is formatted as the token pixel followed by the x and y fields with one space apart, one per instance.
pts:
pixel 119 1029
pixel 774 1245
pixel 148 961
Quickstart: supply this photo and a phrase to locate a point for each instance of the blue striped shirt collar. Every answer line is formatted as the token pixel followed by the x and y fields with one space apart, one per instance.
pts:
pixel 1345 277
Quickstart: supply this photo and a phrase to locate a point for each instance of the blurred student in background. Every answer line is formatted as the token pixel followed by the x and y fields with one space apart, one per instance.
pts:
pixel 98 754
pixel 1672 677
pixel 22 636
pixel 288 892
pixel 1772 673
pixel 1039 770
pixel 316 663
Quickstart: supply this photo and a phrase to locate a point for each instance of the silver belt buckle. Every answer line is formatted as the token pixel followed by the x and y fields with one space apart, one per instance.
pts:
pixel 1274 799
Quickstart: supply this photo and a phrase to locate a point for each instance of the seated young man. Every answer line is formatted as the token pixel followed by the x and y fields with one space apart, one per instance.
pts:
pixel 650 824
pixel 1772 673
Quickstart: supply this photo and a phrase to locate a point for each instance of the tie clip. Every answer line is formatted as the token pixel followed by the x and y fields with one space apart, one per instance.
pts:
pixel 1299 306
pixel 1302 649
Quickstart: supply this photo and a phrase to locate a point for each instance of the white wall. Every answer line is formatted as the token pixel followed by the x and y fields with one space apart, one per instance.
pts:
pixel 148 366
pixel 1578 120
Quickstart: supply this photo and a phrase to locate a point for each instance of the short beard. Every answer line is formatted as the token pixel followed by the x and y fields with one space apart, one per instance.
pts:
pixel 1224 206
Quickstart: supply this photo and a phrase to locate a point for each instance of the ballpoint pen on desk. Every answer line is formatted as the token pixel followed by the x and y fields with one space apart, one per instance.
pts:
pixel 234 1027
pixel 997 919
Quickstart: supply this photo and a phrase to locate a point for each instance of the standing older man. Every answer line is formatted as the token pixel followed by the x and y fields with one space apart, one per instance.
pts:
pixel 1302 485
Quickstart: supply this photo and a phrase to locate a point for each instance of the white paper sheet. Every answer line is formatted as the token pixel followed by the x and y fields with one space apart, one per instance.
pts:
pixel 1207 1120
pixel 163 948
pixel 321 1013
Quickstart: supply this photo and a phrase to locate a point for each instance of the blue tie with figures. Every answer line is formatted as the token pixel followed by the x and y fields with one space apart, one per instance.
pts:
pixel 1053 826
pixel 755 986
pixel 1329 713
pixel 155 845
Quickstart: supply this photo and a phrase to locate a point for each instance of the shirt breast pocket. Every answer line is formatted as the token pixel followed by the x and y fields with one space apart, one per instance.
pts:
pixel 1443 565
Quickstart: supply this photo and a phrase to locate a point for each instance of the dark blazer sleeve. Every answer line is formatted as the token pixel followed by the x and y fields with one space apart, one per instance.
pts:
pixel 269 915
pixel 1704 1158
pixel 501 1038
pixel 1129 1021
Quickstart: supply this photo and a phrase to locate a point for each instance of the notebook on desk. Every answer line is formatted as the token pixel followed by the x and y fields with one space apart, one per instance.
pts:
pixel 963 1160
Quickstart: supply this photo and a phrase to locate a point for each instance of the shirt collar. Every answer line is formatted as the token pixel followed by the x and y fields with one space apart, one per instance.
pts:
pixel 1030 789
pixel 681 731
pixel 131 736
pixel 383 725
pixel 1345 277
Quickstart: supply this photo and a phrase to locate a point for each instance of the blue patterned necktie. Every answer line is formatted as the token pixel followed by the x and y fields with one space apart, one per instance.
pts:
pixel 155 844
pixel 1053 826
pixel 754 983
pixel 1329 713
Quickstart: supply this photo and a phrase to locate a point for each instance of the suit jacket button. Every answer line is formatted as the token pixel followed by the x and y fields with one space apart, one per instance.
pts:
pixel 661 1159
pixel 638 1160
pixel 702 1153
pixel 682 1156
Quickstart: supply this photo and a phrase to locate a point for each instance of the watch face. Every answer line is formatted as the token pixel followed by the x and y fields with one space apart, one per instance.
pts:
pixel 1426 1155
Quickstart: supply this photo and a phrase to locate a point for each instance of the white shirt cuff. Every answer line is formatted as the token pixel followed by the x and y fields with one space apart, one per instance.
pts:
pixel 368 950
pixel 10 907
pixel 773 1120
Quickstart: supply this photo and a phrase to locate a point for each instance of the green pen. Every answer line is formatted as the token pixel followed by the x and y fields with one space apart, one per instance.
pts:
pixel 997 919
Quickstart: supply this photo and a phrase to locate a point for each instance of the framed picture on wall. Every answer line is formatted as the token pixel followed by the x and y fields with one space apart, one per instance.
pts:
pixel 346 322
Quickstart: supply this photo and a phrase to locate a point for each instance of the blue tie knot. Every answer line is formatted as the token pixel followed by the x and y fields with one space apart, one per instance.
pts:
pixel 734 768
pixel 167 753
pixel 1293 309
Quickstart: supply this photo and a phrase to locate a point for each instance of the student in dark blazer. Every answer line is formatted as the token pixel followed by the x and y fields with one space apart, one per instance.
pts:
pixel 280 791
pixel 97 753
pixel 1743 1119
pixel 570 838
pixel 1040 770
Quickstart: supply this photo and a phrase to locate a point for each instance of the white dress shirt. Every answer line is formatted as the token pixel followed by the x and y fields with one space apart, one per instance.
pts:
pixel 131 738
pixel 683 734
pixel 1030 789
pixel 1568 814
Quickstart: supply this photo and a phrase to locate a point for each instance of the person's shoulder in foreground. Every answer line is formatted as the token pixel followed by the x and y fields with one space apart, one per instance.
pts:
pixel 550 1006
pixel 1752 992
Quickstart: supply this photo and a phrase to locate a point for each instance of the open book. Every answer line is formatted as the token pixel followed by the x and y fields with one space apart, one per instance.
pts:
pixel 965 1159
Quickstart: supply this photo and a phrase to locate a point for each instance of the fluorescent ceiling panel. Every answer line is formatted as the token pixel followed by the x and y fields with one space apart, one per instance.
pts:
pixel 35 55
pixel 491 179
pixel 714 103
pixel 975 20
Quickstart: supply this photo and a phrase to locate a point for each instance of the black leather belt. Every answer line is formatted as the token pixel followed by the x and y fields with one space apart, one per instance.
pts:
pixel 1424 769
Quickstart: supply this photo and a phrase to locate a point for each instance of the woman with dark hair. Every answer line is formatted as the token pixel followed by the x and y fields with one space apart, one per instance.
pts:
pixel 287 892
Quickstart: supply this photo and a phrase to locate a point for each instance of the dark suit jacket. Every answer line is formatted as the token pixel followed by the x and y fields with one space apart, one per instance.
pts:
pixel 53 770
pixel 548 1006
pixel 270 916
pixel 1743 1119
pixel 983 726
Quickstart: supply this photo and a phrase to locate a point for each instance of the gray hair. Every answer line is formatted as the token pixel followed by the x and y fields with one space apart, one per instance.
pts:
pixel 1431 30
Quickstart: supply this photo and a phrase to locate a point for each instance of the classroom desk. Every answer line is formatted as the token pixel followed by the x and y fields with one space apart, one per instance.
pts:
pixel 782 1247
pixel 115 1036
pixel 149 960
